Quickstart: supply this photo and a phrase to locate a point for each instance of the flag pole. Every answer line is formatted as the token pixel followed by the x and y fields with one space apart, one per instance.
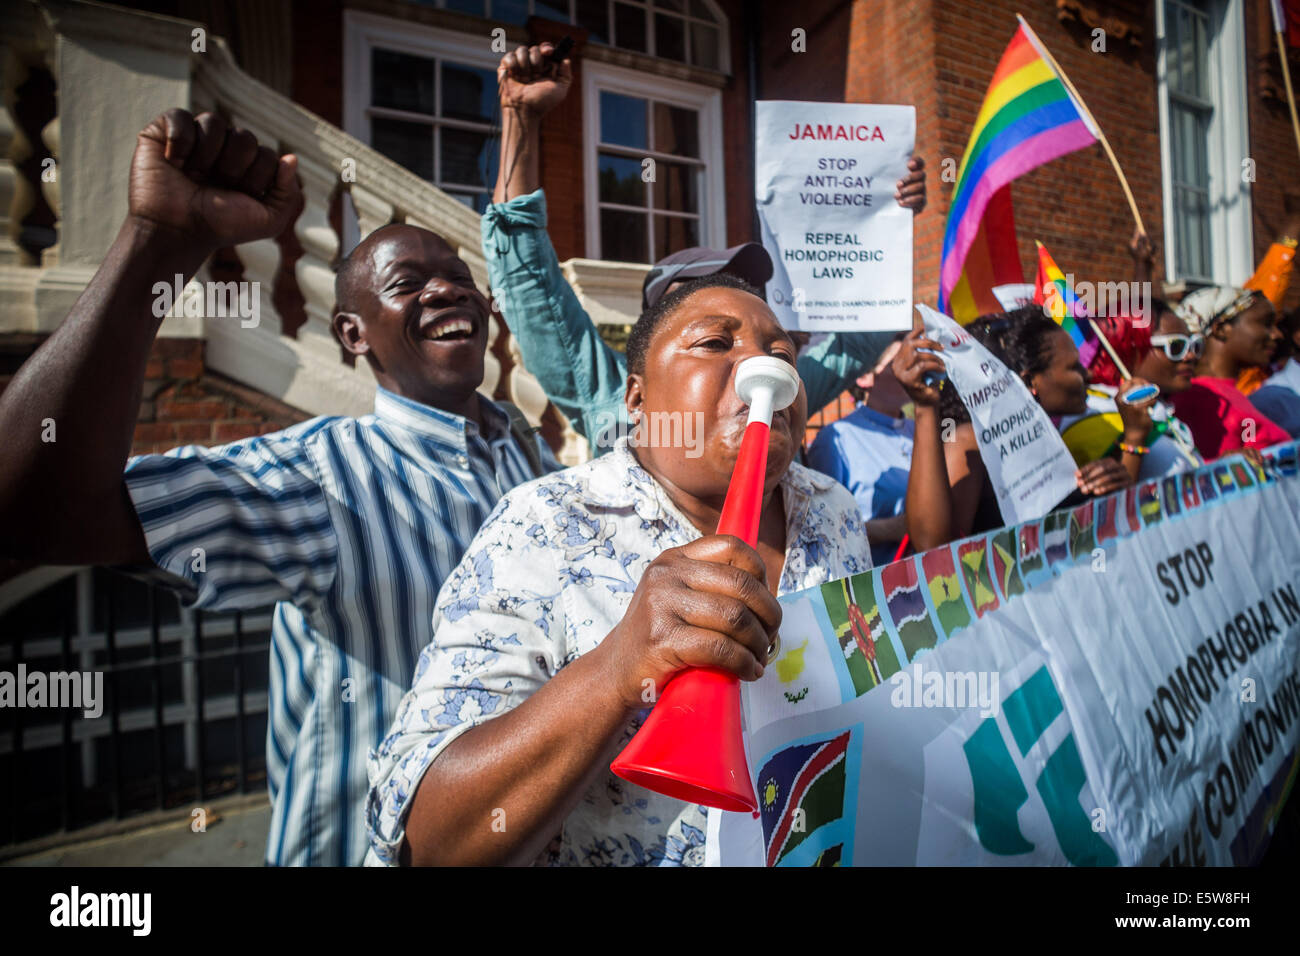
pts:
pixel 1101 136
pixel 1110 153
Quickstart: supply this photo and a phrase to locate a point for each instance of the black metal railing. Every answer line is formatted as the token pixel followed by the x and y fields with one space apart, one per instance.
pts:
pixel 184 703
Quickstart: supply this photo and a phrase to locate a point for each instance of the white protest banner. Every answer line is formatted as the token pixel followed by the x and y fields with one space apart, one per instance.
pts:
pixel 841 246
pixel 1029 466
pixel 1128 695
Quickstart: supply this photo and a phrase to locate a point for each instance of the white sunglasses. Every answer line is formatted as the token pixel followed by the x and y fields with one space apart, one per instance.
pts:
pixel 1177 347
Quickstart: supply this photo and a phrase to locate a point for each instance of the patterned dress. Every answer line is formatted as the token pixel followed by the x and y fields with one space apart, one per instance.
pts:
pixel 550 574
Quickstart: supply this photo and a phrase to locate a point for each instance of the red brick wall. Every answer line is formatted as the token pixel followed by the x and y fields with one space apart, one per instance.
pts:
pixel 184 404
pixel 561 151
pixel 1276 190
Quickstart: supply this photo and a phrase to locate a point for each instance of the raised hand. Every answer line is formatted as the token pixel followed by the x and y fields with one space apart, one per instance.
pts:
pixel 911 364
pixel 531 83
pixel 705 604
pixel 911 188
pixel 210 184
pixel 1102 476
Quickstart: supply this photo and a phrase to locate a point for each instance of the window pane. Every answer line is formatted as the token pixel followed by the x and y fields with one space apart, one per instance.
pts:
pixel 510 11
pixel 678 5
pixel 629 27
pixel 400 81
pixel 620 181
pixel 670 37
pixel 677 131
pixel 474 7
pixel 557 10
pixel 623 236
pixel 410 144
pixel 468 93
pixel 700 9
pixel 594 16
pixel 704 46
pixel 465 157
pixel 476 201
pixel 672 234
pixel 677 187
pixel 622 120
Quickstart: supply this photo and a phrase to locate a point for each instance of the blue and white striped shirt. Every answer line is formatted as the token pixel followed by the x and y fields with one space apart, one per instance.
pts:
pixel 349 526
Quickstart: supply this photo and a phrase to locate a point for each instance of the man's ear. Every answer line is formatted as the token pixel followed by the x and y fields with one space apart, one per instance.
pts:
pixel 347 328
pixel 634 397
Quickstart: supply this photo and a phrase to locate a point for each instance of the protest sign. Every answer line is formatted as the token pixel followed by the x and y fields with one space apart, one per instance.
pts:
pixel 841 246
pixel 1029 465
pixel 1117 683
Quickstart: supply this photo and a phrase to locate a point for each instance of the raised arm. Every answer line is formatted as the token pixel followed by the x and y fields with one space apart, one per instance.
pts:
pixel 196 185
pixel 559 343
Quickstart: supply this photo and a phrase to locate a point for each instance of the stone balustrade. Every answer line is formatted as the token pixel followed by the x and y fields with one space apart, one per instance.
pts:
pixel 292 357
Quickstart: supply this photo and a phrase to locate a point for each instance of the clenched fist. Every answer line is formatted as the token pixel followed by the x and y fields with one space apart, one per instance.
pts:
pixel 705 604
pixel 531 83
pixel 210 184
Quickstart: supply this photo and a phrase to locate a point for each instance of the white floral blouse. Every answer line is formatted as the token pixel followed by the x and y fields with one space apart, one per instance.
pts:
pixel 550 573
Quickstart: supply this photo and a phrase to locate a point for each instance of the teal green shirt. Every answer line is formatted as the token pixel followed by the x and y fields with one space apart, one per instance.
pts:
pixel 582 375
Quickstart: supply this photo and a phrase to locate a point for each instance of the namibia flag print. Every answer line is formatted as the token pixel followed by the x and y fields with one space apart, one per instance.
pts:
pixel 804 791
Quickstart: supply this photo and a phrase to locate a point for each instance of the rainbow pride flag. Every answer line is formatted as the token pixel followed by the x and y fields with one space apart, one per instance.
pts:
pixel 1053 293
pixel 1028 118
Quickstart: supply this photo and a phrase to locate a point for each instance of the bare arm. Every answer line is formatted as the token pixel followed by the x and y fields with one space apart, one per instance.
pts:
pixel 64 500
pixel 704 604
pixel 530 86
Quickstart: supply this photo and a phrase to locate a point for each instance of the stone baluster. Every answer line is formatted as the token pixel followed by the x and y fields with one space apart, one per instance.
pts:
pixel 50 190
pixel 320 244
pixel 16 195
pixel 372 209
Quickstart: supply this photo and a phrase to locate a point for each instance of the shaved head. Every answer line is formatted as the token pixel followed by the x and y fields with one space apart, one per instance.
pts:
pixel 354 275
pixel 407 304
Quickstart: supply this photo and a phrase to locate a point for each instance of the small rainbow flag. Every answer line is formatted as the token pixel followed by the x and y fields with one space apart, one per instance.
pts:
pixel 1058 300
pixel 1028 118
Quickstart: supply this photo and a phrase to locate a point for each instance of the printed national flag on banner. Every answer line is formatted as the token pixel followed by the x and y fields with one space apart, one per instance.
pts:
pixel 1028 118
pixel 944 584
pixel 1053 292
pixel 1107 519
pixel 1005 567
pixel 977 574
pixel 1081 531
pixel 868 651
pixel 800 790
pixel 902 587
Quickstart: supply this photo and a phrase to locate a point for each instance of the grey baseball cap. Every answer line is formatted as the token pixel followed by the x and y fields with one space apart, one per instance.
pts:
pixel 748 261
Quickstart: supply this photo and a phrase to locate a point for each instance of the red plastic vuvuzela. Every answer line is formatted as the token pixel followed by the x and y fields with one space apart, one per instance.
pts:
pixel 691 747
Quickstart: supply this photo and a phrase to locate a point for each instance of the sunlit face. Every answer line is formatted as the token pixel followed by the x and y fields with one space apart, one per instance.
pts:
pixel 690 369
pixel 420 319
pixel 1155 366
pixel 1252 336
pixel 1062 388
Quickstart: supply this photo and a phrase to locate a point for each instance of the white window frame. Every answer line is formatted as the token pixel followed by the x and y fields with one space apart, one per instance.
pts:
pixel 362 32
pixel 706 100
pixel 1231 234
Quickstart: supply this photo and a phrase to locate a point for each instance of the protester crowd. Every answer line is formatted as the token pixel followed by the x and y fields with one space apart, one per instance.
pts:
pixel 495 618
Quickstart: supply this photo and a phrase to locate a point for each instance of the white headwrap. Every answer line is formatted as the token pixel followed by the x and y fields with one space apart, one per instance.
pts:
pixel 1202 309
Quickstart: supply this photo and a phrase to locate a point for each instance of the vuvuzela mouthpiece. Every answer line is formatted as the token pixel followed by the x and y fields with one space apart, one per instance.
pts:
pixel 766 384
